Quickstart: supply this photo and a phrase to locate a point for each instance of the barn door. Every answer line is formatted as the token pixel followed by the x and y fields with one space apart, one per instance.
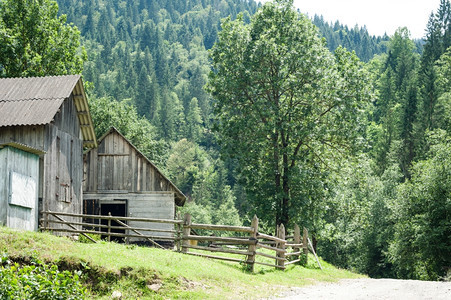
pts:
pixel 116 208
pixel 22 202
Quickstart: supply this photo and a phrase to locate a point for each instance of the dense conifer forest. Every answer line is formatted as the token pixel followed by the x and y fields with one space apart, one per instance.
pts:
pixel 372 183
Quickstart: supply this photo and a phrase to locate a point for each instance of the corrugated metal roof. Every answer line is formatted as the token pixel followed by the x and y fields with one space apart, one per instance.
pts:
pixel 36 100
pixel 28 112
pixel 22 147
pixel 50 87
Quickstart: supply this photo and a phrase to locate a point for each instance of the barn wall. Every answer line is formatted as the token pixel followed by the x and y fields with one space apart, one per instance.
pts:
pixel 154 205
pixel 63 163
pixel 4 185
pixel 32 136
pixel 26 164
pixel 116 166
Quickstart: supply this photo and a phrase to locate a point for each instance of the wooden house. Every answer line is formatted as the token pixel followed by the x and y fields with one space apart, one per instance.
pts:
pixel 120 180
pixel 44 125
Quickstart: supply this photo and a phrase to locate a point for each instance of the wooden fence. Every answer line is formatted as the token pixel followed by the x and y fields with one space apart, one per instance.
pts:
pixel 240 244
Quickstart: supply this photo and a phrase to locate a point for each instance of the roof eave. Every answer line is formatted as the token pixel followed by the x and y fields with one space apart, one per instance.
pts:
pixel 84 115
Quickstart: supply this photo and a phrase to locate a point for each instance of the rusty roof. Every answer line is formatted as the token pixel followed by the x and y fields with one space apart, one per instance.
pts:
pixel 36 100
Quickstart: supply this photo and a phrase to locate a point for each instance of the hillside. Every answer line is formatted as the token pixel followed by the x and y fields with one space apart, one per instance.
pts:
pixel 155 53
pixel 150 273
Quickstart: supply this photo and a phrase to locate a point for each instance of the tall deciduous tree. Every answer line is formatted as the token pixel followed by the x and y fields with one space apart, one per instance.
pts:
pixel 35 41
pixel 282 100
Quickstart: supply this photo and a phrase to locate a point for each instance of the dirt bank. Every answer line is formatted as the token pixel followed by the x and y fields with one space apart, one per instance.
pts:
pixel 369 289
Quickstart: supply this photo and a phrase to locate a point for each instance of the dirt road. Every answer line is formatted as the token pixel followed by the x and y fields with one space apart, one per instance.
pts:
pixel 372 289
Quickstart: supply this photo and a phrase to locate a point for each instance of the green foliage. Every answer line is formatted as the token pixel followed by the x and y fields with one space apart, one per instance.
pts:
pixel 358 220
pixel 421 245
pixel 396 107
pixel 35 41
pixel 388 214
pixel 38 281
pixel 154 53
pixel 355 39
pixel 185 164
pixel 443 85
pixel 201 178
pixel 107 113
pixel 282 100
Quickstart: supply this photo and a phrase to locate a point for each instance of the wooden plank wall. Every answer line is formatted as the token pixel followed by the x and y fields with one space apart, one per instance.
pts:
pixel 116 166
pixel 117 171
pixel 3 185
pixel 153 205
pixel 63 163
pixel 32 136
pixel 24 163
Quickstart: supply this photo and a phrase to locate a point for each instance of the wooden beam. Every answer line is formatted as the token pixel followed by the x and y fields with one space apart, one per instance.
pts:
pixel 114 217
pixel 259 245
pixel 73 227
pixel 222 227
pixel 270 237
pixel 270 256
pixel 139 233
pixel 219 239
pixel 219 250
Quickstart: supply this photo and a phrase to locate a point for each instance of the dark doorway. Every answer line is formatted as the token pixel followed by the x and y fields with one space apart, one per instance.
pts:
pixel 116 210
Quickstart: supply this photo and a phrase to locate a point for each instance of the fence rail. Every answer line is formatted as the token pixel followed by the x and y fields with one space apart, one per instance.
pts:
pixel 276 251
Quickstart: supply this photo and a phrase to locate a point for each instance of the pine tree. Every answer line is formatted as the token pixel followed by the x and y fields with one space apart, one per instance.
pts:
pixel 194 121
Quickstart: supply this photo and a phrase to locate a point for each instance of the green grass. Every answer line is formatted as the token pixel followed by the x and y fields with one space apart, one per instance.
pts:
pixel 131 269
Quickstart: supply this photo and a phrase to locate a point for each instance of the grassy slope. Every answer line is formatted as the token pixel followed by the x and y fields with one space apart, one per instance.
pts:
pixel 131 269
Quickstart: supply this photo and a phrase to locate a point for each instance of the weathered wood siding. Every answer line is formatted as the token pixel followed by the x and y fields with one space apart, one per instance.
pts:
pixel 63 163
pixel 153 205
pixel 16 215
pixel 116 165
pixel 32 136
pixel 61 167
pixel 116 171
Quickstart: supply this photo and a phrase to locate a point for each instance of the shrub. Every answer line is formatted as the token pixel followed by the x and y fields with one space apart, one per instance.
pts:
pixel 38 281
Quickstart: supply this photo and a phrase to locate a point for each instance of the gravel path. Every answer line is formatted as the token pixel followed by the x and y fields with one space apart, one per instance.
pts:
pixel 372 289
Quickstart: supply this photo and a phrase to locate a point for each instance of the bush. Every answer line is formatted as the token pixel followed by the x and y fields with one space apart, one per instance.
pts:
pixel 38 281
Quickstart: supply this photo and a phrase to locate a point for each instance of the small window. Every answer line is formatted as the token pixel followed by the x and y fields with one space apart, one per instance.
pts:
pixel 22 190
pixel 65 194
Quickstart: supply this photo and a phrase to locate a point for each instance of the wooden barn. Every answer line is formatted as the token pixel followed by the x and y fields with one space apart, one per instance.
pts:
pixel 120 180
pixel 44 125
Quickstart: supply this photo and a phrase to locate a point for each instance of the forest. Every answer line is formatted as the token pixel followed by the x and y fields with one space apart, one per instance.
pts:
pixel 259 109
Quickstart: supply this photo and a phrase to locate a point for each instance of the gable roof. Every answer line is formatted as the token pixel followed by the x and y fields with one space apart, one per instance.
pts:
pixel 180 198
pixel 36 100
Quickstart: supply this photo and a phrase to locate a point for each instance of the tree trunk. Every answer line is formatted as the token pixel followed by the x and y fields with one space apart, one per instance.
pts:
pixel 277 177
pixel 285 218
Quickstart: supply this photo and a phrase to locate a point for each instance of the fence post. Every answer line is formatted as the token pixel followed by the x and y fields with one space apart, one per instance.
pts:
pixel 281 246
pixel 305 244
pixel 186 232
pixel 46 220
pixel 252 247
pixel 109 227
pixel 297 240
pixel 178 234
